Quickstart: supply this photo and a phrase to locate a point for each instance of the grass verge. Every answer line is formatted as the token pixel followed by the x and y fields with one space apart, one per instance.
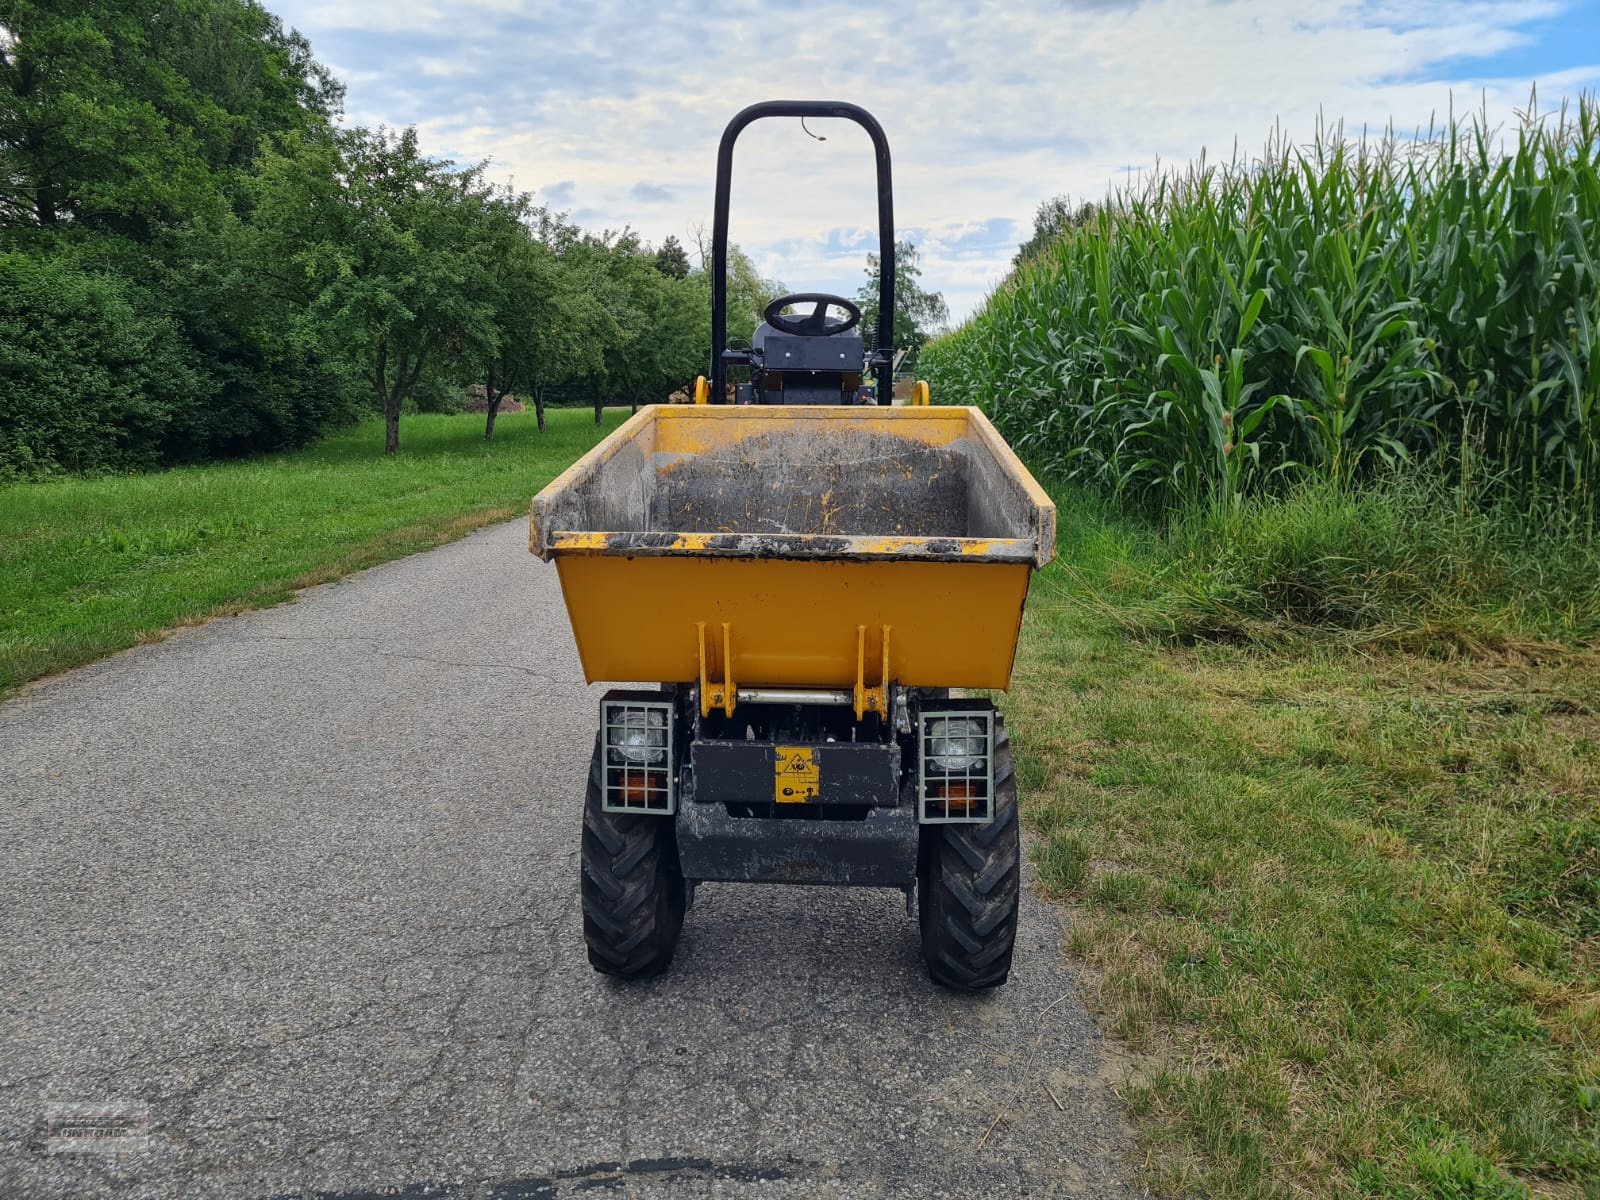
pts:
pixel 1341 903
pixel 1404 563
pixel 89 566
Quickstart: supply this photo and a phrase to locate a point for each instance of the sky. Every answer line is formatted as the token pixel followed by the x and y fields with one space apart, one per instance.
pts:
pixel 611 112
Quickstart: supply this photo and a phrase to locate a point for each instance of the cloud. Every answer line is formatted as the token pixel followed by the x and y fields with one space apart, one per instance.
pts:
pixel 651 193
pixel 558 195
pixel 989 109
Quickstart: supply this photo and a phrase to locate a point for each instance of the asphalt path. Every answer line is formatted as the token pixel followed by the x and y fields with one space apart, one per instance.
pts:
pixel 293 898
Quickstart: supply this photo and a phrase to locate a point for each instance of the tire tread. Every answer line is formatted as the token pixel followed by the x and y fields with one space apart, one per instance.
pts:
pixel 633 892
pixel 968 887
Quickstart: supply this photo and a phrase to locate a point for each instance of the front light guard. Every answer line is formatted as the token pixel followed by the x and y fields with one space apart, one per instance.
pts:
pixel 640 772
pixel 959 792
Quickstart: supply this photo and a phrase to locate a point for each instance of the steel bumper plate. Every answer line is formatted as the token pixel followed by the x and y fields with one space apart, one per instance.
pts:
pixel 877 850
pixel 739 772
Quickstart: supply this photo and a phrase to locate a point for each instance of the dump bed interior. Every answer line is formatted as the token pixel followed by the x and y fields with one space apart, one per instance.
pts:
pixel 779 482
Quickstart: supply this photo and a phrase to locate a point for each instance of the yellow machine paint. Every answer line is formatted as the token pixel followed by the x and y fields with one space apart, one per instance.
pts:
pixel 831 601
pixel 792 623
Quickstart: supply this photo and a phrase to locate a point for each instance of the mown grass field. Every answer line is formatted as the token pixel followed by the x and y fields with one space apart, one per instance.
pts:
pixel 1339 901
pixel 89 566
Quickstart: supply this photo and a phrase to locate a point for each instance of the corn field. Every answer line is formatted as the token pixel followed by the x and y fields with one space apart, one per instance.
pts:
pixel 1325 311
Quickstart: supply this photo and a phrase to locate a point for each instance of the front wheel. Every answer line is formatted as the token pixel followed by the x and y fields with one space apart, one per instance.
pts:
pixel 968 883
pixel 633 892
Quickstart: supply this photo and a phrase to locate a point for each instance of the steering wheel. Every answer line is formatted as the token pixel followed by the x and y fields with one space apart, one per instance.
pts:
pixel 817 324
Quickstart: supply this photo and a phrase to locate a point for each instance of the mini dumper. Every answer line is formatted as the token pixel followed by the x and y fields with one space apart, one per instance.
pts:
pixel 805 578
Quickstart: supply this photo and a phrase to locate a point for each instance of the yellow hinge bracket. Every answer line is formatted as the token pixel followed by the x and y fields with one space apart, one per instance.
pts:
pixel 714 694
pixel 871 699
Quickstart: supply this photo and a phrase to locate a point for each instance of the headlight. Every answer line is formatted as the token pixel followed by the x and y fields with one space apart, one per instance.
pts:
pixel 639 736
pixel 636 737
pixel 957 744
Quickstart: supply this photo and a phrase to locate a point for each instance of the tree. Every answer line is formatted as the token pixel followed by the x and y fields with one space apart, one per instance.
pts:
pixel 672 260
pixel 519 275
pixel 199 263
pixel 1054 219
pixel 749 293
pixel 575 335
pixel 129 135
pixel 667 341
pixel 633 302
pixel 267 376
pixel 549 323
pixel 918 314
pixel 126 115
pixel 383 237
pixel 655 330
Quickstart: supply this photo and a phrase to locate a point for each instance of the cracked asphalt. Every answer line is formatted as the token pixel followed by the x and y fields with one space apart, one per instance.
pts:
pixel 300 889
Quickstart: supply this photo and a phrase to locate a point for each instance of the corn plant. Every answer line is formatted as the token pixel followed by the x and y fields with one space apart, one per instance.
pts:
pixel 1323 310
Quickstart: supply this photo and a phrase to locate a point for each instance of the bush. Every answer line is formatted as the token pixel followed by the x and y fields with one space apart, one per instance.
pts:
pixel 436 392
pixel 88 381
pixel 261 395
pixel 97 374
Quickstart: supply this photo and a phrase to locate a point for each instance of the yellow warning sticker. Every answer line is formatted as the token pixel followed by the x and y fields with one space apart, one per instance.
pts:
pixel 795 775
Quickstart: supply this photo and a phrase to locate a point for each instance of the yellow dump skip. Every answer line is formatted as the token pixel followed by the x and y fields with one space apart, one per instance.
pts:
pixel 792 542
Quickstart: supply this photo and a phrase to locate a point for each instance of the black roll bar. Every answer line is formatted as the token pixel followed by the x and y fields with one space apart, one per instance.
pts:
pixel 882 362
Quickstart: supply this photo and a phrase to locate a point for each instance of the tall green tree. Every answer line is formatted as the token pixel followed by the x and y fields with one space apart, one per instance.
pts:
pixel 672 260
pixel 200 263
pixel 918 314
pixel 128 137
pixel 383 239
pixel 659 348
pixel 518 275
pixel 656 328
pixel 671 341
pixel 575 325
pixel 126 115
pixel 1054 219
pixel 548 323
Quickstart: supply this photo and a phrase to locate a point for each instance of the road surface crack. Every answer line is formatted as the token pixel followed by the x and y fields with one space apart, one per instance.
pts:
pixel 377 645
